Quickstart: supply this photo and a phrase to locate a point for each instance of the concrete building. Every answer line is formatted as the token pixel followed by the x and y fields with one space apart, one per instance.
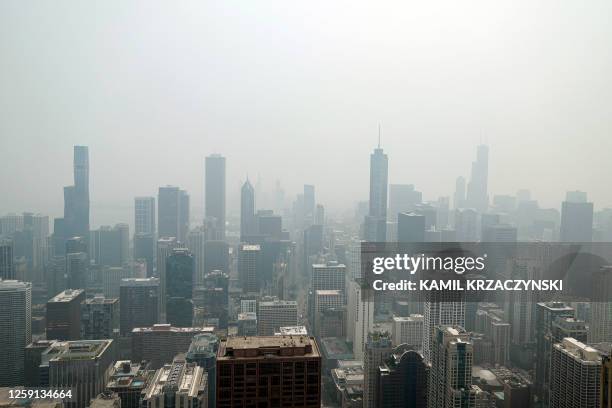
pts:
pixel 177 385
pixel 139 303
pixel 377 349
pixel 128 380
pixel 99 318
pixel 408 330
pixel 274 314
pixel 64 315
pixel 15 330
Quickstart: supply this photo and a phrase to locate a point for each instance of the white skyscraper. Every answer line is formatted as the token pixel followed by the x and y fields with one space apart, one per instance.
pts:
pixel 441 308
pixel 360 317
pixel 408 330
pixel 15 329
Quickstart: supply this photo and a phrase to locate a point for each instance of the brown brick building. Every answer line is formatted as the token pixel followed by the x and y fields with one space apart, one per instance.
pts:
pixel 268 371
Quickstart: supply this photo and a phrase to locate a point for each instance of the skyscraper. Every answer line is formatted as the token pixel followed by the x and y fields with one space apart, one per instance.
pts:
pixel 64 315
pixel 203 352
pixel 15 330
pixel 477 189
pixel 173 213
pixel 275 314
pixel 575 371
pixel 76 209
pixel 214 193
pixel 179 288
pixel 247 211
pixel 375 227
pixel 402 198
pixel 139 300
pixel 164 250
pixel 546 313
pixel 249 261
pixel 99 318
pixel 109 246
pixel 377 349
pixel 7 269
pixel 144 215
pixel 441 308
pixel 275 371
pixel 402 380
pixel 196 241
pixel 576 222
pixel 459 196
pixel 450 376
pixel 600 327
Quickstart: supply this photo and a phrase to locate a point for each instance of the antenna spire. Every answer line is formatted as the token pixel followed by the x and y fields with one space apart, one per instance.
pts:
pixel 379 135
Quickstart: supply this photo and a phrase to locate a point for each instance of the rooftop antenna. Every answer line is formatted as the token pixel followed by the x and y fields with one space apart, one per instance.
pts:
pixel 379 135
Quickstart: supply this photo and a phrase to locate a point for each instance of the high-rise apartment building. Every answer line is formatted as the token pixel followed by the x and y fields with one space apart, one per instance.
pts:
pixel 441 308
pixel 15 330
pixel 273 371
pixel 575 372
pixel 450 376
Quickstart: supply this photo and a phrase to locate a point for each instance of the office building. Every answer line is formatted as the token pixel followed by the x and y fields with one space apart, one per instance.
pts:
pixel 275 371
pixel 75 222
pixel 360 318
pixel 161 342
pixel 329 276
pixel 139 300
pixel 81 365
pixel 165 246
pixel 99 318
pixel 64 315
pixel 248 226
pixel 274 314
pixel 179 288
pixel 144 250
pixel 402 380
pixel 172 213
pixel 15 330
pixel 575 372
pixel 128 380
pixel 33 359
pixel 203 352
pixel 576 222
pixel 247 324
pixel 214 194
pixel 600 328
pixel 196 239
pixel 112 278
pixel 329 314
pixel 249 262
pixel 216 256
pixel 144 215
pixel 605 394
pixel 408 330
pixel 109 246
pixel 213 297
pixel 377 349
pixel 177 384
pixel 402 198
pixel 76 270
pixel 7 268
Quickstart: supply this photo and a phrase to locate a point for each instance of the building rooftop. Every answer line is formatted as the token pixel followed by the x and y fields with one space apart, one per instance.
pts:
pixel 76 350
pixel 335 348
pixel 66 296
pixel 278 303
pixel 140 282
pixel 579 350
pixel 411 318
pixel 100 300
pixel 267 347
pixel 14 284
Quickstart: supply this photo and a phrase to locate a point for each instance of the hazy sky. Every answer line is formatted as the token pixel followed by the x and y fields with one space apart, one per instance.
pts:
pixel 295 91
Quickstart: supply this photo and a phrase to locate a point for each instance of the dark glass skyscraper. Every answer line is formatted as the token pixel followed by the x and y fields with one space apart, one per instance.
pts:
pixel 375 228
pixel 214 193
pixel 179 288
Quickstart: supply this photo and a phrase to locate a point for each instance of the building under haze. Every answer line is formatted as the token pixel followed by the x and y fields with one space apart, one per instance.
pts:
pixel 173 213
pixel 248 225
pixel 139 303
pixel 15 330
pixel 64 315
pixel 477 195
pixel 214 194
pixel 576 222
pixel 179 288
pixel 375 227
pixel 99 318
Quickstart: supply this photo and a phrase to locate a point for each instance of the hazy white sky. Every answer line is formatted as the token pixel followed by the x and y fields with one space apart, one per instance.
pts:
pixel 295 91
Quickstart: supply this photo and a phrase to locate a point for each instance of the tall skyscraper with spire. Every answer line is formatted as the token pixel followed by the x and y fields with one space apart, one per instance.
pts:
pixel 375 228
pixel 214 193
pixel 477 194
pixel 247 210
pixel 76 202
